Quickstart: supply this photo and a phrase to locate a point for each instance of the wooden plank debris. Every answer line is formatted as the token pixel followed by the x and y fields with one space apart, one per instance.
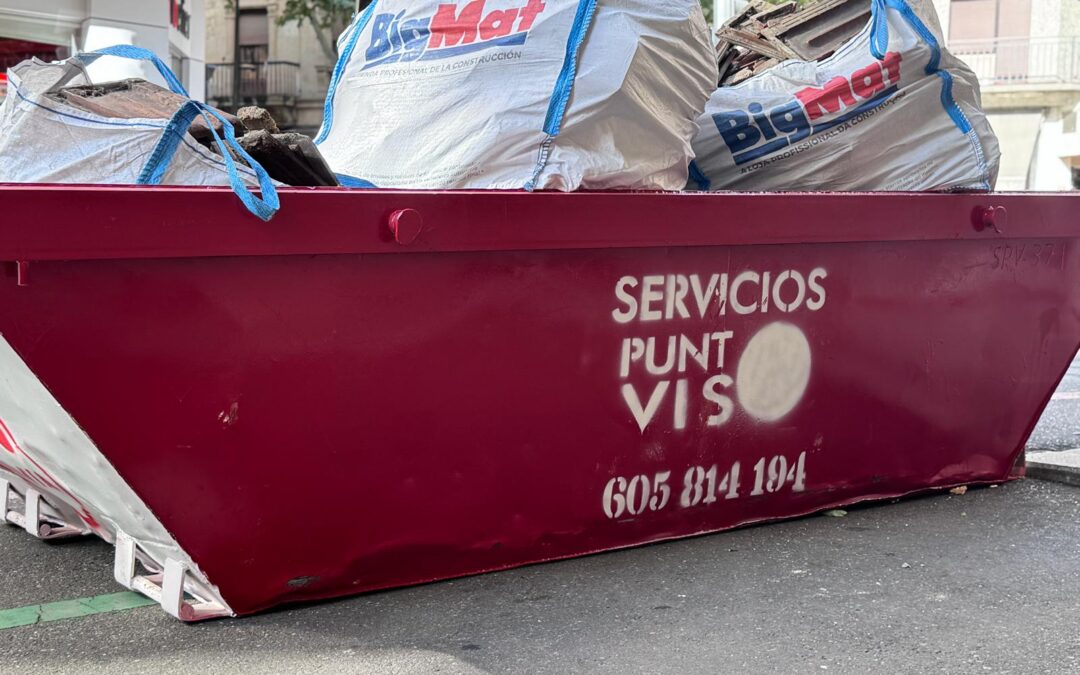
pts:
pixel 136 99
pixel 766 33
pixel 289 158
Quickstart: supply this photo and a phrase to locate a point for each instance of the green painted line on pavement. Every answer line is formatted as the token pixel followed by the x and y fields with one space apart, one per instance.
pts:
pixel 71 609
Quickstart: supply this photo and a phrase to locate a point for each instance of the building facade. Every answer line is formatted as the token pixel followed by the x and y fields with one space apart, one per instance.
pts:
pixel 283 66
pixel 175 30
pixel 1027 56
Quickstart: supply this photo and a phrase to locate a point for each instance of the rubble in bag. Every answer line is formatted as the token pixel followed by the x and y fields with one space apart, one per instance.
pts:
pixel 129 132
pixel 534 94
pixel 890 109
pixel 765 34
pixel 137 99
pixel 291 158
pixel 255 118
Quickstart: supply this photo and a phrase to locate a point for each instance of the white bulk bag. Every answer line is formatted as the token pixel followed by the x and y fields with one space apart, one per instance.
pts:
pixel 505 94
pixel 890 110
pixel 43 140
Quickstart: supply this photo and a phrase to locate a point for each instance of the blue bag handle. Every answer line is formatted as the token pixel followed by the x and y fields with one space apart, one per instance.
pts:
pixel 879 35
pixel 879 45
pixel 564 86
pixel 154 169
pixel 345 180
pixel 346 45
pixel 138 54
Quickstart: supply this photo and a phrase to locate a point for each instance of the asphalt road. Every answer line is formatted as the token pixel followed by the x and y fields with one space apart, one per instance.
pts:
pixel 988 582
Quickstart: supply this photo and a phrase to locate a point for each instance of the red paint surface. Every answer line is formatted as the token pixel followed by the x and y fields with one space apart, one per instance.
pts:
pixel 308 398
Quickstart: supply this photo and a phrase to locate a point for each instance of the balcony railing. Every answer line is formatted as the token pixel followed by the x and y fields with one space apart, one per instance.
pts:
pixel 1034 61
pixel 269 83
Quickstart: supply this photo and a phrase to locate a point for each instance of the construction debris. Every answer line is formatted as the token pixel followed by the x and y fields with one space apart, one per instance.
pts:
pixel 284 158
pixel 813 109
pixel 137 99
pixel 257 119
pixel 289 158
pixel 767 33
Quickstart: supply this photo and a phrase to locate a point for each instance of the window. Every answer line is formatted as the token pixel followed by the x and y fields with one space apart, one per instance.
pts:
pixel 254 36
pixel 176 63
pixel 989 19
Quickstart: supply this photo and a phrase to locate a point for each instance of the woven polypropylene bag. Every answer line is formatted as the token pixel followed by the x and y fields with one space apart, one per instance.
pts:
pixel 890 110
pixel 505 94
pixel 44 140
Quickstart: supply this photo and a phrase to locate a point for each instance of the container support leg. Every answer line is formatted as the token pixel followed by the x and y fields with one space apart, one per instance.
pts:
pixel 170 588
pixel 37 518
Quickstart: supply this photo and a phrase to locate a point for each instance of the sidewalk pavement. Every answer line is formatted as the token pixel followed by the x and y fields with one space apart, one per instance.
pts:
pixel 1056 466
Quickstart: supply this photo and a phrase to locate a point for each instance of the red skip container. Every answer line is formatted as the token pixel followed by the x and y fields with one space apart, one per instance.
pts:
pixel 385 388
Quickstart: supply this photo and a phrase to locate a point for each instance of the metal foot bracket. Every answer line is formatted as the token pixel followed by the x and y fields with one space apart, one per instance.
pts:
pixel 37 517
pixel 172 588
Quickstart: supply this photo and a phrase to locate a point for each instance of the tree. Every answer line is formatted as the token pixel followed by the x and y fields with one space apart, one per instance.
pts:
pixel 327 17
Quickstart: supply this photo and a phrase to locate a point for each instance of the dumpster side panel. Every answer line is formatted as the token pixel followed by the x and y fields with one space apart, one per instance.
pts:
pixel 313 426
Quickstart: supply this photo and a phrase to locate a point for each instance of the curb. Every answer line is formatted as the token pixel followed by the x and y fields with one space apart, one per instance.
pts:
pixel 1057 467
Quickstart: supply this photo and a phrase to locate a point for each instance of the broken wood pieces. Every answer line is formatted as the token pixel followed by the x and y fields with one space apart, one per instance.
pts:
pixel 137 99
pixel 766 33
pixel 289 158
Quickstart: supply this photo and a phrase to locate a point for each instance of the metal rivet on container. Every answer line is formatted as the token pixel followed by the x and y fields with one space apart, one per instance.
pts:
pixel 406 225
pixel 994 218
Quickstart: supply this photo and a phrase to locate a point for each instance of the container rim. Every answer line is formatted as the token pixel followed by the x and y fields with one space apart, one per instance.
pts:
pixel 88 222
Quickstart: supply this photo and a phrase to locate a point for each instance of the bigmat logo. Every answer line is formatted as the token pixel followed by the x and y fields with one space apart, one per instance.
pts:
pixel 452 31
pixel 756 133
